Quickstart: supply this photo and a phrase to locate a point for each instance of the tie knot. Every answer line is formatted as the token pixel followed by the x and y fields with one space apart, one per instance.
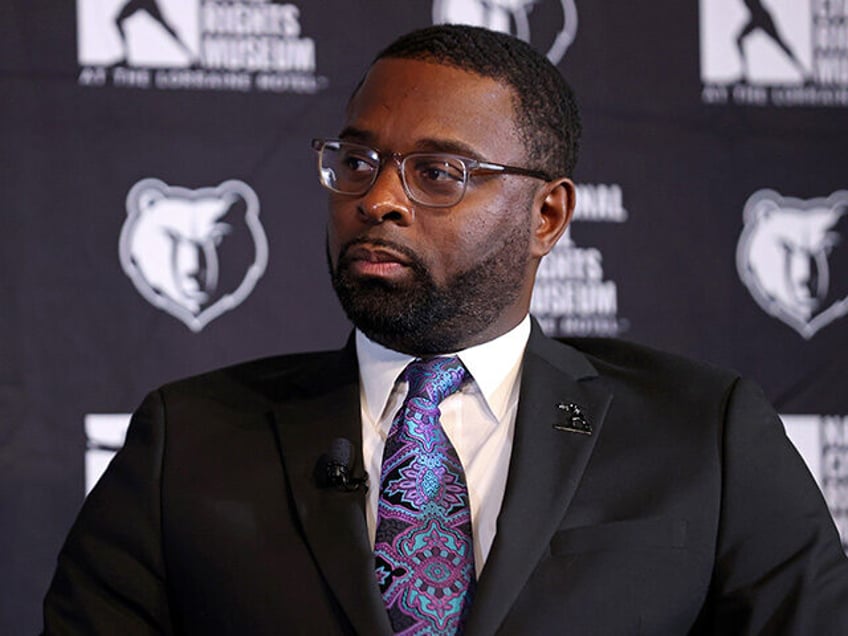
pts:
pixel 434 379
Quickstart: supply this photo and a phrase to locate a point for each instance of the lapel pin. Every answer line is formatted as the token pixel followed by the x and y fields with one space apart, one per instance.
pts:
pixel 572 419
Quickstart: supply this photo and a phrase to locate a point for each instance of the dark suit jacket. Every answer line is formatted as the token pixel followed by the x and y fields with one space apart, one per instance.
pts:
pixel 684 511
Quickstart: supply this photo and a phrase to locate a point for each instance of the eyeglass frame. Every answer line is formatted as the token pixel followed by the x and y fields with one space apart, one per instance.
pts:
pixel 471 166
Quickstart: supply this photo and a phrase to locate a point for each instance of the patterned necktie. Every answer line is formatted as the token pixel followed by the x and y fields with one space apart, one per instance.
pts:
pixel 423 548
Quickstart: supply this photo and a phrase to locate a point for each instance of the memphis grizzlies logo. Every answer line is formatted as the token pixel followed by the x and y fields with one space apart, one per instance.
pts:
pixel 193 253
pixel 791 258
pixel 514 17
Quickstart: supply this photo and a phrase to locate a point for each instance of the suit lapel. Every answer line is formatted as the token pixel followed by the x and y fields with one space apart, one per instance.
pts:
pixel 547 463
pixel 333 521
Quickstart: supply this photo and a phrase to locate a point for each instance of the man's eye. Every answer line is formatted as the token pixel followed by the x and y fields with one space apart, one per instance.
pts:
pixel 439 171
pixel 356 164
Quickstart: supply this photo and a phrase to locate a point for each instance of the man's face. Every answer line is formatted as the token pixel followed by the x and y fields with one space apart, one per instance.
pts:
pixel 430 280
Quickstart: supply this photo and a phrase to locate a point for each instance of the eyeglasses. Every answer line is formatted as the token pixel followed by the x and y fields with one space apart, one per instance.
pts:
pixel 433 179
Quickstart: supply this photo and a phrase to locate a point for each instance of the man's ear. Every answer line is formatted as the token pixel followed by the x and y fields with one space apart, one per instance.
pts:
pixel 552 213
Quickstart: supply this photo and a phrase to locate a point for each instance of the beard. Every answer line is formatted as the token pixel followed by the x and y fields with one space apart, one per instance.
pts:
pixel 418 316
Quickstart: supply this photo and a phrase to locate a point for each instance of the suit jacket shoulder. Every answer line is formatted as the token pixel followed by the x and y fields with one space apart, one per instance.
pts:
pixel 262 382
pixel 617 357
pixel 682 509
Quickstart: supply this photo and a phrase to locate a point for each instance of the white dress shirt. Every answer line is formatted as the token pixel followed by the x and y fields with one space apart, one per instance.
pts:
pixel 479 420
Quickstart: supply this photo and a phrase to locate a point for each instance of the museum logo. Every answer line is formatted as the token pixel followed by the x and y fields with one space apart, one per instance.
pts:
pixel 571 297
pixel 774 52
pixel 791 256
pixel 822 440
pixel 196 45
pixel 105 434
pixel 194 254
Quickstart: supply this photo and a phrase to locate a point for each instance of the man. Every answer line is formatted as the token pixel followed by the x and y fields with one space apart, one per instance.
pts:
pixel 603 490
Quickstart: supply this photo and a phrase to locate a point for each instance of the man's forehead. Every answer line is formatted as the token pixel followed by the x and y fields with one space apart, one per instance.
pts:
pixel 425 144
pixel 420 75
pixel 423 101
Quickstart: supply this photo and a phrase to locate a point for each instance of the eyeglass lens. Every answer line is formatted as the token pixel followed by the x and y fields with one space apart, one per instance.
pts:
pixel 429 179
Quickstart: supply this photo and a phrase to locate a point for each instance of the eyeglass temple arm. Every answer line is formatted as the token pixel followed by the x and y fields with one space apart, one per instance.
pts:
pixel 484 166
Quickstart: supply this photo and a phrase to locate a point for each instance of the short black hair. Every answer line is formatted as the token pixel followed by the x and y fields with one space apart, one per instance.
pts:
pixel 546 110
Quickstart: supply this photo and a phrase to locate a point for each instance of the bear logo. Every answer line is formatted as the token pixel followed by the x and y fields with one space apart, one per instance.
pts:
pixel 787 256
pixel 193 253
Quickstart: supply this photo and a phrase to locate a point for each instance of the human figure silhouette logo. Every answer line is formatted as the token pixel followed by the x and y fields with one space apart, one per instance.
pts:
pixel 139 33
pixel 152 9
pixel 758 43
pixel 761 19
pixel 513 17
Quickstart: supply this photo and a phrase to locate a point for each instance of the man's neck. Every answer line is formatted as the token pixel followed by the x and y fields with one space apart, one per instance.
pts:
pixel 422 348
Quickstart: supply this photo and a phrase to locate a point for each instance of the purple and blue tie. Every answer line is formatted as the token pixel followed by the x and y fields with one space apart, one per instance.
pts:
pixel 424 552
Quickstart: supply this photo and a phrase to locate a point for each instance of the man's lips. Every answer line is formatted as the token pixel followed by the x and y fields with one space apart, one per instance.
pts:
pixel 372 260
pixel 375 254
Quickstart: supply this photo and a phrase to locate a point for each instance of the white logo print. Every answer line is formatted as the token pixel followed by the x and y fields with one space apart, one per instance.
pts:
pixel 196 45
pixel 774 52
pixel 571 296
pixel 104 435
pixel 822 441
pixel 756 42
pixel 193 253
pixel 784 258
pixel 138 32
pixel 509 16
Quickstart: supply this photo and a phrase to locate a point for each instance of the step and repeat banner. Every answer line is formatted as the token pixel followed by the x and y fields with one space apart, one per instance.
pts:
pixel 162 216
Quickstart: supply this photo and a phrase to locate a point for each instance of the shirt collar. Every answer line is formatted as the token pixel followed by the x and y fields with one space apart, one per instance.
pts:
pixel 494 365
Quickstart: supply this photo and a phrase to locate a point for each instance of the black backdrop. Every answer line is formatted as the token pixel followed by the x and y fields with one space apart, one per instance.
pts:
pixel 712 204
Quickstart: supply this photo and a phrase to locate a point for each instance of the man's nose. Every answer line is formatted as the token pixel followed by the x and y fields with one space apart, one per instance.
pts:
pixel 387 199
